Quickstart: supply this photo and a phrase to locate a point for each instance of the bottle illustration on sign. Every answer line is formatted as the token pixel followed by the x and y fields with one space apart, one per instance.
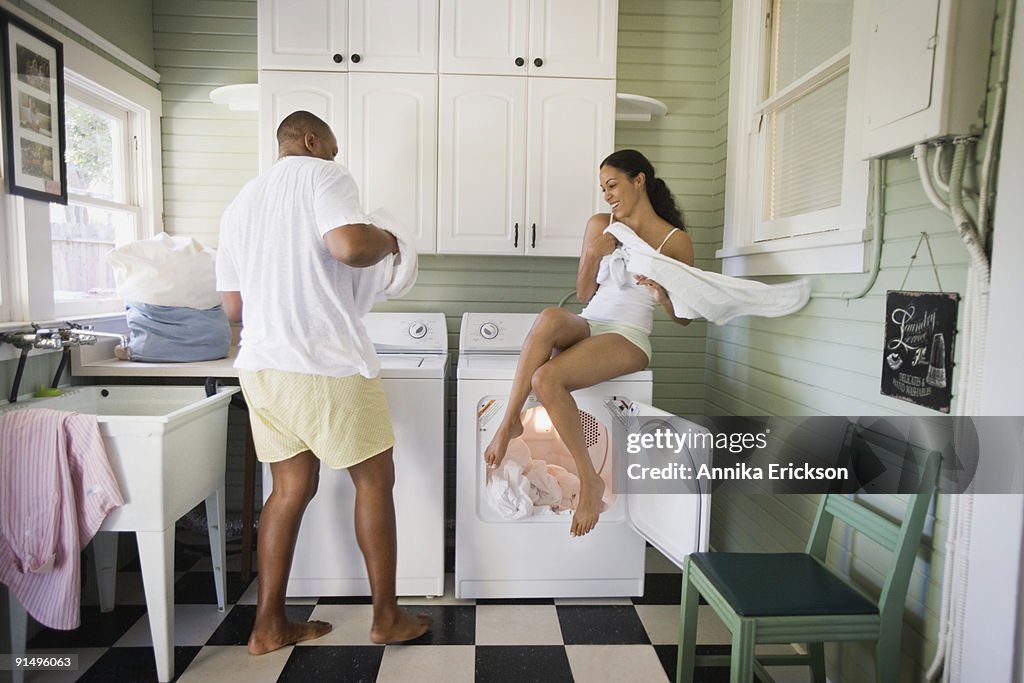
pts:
pixel 936 376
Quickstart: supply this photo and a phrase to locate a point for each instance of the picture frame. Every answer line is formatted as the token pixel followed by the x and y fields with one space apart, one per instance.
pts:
pixel 33 112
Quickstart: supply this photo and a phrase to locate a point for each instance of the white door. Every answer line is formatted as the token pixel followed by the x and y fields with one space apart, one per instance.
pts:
pixel 392 35
pixel 392 148
pixel 485 36
pixel 281 93
pixel 481 165
pixel 302 34
pixel 672 515
pixel 573 38
pixel 571 130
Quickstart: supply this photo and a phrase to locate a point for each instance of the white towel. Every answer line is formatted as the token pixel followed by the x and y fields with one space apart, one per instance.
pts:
pixel 522 486
pixel 697 293
pixel 396 272
pixel 508 490
pixel 544 488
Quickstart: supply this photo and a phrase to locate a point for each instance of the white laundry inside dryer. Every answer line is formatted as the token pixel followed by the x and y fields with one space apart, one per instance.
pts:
pixel 538 476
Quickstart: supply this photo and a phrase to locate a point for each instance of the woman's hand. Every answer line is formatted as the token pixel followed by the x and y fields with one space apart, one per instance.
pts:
pixel 602 245
pixel 662 297
pixel 656 290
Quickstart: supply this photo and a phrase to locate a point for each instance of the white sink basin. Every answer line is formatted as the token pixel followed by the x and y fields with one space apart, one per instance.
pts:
pixel 167 447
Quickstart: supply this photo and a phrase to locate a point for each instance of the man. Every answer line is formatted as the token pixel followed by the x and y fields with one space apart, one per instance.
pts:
pixel 293 246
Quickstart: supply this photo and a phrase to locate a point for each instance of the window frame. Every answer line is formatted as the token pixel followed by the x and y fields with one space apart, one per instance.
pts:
pixel 828 241
pixel 26 278
pixel 86 92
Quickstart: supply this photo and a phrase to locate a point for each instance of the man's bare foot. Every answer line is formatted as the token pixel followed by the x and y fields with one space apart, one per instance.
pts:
pixel 400 628
pixel 589 507
pixel 495 451
pixel 274 639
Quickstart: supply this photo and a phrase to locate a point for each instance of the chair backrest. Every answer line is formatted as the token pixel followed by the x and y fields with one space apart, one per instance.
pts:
pixel 919 474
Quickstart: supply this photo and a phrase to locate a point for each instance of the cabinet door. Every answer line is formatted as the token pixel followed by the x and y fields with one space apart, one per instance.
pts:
pixel 392 35
pixel 485 36
pixel 392 148
pixel 481 165
pixel 573 38
pixel 282 92
pixel 571 130
pixel 302 34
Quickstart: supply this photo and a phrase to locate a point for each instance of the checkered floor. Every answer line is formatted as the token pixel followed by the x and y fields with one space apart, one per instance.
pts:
pixel 484 640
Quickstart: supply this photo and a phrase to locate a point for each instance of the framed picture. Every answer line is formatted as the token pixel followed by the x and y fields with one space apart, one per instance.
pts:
pixel 33 112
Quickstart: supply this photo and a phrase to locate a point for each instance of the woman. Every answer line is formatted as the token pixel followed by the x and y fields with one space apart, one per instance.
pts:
pixel 610 337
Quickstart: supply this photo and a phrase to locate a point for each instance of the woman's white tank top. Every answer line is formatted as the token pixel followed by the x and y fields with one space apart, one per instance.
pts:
pixel 628 303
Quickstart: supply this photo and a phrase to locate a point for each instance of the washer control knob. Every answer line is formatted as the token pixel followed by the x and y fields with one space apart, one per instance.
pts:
pixel 417 330
pixel 488 330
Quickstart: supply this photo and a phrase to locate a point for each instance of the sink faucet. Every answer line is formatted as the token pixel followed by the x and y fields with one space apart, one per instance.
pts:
pixel 58 338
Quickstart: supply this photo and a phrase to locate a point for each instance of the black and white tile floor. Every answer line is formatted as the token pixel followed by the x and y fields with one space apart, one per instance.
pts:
pixel 617 639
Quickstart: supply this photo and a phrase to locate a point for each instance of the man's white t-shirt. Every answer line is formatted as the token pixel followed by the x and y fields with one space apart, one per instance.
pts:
pixel 302 308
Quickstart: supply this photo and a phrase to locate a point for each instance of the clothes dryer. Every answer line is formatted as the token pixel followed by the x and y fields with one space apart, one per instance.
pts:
pixel 498 557
pixel 413 350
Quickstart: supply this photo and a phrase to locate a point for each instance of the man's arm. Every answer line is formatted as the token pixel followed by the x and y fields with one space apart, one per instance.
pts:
pixel 360 244
pixel 232 305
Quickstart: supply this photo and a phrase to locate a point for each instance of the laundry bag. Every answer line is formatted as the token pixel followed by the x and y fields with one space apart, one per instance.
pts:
pixel 174 312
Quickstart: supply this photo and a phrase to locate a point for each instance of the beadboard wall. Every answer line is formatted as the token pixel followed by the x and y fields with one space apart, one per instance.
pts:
pixel 826 360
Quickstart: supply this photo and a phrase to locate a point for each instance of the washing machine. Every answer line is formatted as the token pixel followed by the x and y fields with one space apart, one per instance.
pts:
pixel 534 557
pixel 413 350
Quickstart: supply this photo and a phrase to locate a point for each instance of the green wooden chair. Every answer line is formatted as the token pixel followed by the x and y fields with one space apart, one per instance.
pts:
pixel 796 598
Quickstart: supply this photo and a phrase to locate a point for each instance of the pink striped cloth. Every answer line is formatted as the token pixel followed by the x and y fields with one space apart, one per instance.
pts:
pixel 56 488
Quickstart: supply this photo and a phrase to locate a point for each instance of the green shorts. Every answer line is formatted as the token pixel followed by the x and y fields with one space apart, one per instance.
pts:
pixel 638 336
pixel 342 420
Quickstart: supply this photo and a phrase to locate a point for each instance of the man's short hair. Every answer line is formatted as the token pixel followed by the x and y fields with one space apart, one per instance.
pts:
pixel 297 124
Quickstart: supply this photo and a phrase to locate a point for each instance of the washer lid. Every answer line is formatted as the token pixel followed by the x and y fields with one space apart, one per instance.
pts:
pixel 409 366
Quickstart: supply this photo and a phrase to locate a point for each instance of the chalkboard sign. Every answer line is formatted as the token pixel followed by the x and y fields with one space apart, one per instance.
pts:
pixel 918 361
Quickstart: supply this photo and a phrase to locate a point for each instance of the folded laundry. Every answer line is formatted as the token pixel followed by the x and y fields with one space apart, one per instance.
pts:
pixel 697 293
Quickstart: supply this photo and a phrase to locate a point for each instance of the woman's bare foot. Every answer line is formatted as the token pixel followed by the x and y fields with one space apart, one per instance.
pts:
pixel 495 451
pixel 261 642
pixel 589 507
pixel 399 628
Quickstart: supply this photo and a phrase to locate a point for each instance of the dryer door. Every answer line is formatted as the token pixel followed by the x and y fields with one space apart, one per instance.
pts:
pixel 667 504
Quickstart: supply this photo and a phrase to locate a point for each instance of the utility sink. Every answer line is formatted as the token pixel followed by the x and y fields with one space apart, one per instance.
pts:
pixel 167 447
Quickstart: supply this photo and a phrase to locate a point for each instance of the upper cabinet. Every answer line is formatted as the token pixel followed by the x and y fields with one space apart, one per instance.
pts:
pixel 348 35
pixel 561 38
pixel 518 163
pixel 386 126
pixel 479 124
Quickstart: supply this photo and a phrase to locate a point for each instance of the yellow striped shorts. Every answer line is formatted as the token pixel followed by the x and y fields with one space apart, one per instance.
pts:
pixel 342 420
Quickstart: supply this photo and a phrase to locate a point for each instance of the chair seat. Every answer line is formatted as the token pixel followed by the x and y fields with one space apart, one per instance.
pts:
pixel 780 584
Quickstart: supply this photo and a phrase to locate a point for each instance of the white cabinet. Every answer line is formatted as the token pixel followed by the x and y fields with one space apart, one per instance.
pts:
pixel 518 162
pixel 282 92
pixel 392 148
pixel 386 126
pixel 348 35
pixel 566 38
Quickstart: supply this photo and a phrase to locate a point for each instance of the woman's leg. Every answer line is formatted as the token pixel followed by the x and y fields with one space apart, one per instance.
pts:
pixel 588 362
pixel 555 328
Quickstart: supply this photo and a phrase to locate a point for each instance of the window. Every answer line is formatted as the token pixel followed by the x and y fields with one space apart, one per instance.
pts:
pixel 52 264
pixel 102 211
pixel 796 189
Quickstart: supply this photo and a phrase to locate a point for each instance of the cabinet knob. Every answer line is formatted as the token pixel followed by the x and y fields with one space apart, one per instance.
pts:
pixel 520 61
pixel 533 236
pixel 515 236
pixel 356 58
pixel 337 58
pixel 538 62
